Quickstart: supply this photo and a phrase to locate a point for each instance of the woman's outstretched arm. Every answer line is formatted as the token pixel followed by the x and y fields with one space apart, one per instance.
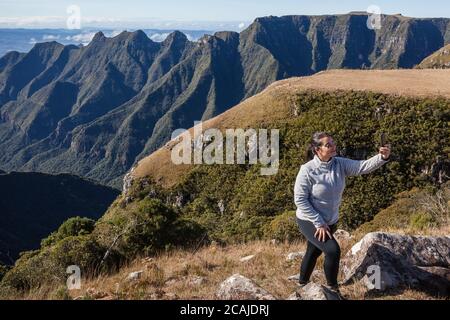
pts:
pixel 358 167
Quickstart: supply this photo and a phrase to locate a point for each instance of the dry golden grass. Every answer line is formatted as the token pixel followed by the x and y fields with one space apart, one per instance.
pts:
pixel 275 103
pixel 408 82
pixel 172 275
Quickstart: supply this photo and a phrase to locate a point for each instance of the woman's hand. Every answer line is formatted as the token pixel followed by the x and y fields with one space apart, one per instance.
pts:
pixel 322 232
pixel 385 151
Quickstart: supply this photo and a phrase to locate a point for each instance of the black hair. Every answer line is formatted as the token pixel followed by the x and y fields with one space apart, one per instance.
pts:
pixel 315 143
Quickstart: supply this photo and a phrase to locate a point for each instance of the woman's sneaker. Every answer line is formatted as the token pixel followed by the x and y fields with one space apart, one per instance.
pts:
pixel 335 290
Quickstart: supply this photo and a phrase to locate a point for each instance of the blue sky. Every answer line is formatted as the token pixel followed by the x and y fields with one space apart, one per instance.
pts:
pixel 52 13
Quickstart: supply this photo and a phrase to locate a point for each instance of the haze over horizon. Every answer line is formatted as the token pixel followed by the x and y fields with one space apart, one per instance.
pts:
pixel 193 15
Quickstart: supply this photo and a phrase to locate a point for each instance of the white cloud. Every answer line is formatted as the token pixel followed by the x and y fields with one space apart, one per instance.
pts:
pixel 114 33
pixel 114 23
pixel 83 38
pixel 50 37
pixel 159 36
pixel 33 21
pixel 241 25
pixel 95 20
pixel 190 37
pixel 54 21
pixel 32 41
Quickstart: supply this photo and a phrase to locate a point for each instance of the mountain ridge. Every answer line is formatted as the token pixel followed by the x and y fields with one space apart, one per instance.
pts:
pixel 125 95
pixel 260 108
pixel 438 60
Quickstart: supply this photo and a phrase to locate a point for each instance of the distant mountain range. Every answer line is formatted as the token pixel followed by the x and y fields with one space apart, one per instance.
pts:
pixel 23 40
pixel 32 205
pixel 96 110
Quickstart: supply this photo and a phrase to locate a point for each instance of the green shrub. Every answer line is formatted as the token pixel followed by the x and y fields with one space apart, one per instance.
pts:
pixel 245 228
pixel 83 251
pixel 49 264
pixel 60 293
pixel 154 226
pixel 283 228
pixel 147 229
pixel 417 208
pixel 75 226
pixel 186 233
pixel 28 272
pixel 142 188
pixel 355 119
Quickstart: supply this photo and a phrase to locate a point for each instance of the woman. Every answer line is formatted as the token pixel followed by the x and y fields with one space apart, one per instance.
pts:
pixel 317 194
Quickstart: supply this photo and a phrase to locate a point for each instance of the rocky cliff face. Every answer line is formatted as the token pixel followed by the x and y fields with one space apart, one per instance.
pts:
pixel 96 110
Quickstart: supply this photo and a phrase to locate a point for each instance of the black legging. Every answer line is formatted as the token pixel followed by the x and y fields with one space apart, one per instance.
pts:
pixel 314 249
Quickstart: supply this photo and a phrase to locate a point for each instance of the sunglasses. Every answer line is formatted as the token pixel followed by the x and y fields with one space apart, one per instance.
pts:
pixel 329 145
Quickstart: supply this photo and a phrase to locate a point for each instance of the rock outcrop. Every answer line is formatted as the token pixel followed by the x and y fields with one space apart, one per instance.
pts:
pixel 238 287
pixel 386 261
pixel 293 256
pixel 314 291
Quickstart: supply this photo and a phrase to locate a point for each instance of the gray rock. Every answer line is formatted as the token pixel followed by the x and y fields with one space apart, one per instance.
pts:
pixel 147 260
pixel 274 241
pixel 179 200
pixel 221 205
pixel 385 261
pixel 238 287
pixel 294 277
pixel 133 276
pixel 247 258
pixel 294 296
pixel 196 280
pixel 440 271
pixel 127 181
pixel 295 255
pixel 314 291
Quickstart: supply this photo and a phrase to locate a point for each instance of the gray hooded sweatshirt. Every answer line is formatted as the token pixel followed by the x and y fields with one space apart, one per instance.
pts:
pixel 319 186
